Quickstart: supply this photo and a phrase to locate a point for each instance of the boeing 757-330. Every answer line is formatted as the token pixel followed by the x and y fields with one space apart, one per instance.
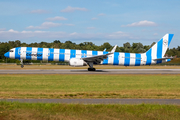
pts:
pixel 78 58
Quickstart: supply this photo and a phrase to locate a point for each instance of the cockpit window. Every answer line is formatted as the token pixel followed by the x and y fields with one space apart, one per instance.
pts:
pixel 10 50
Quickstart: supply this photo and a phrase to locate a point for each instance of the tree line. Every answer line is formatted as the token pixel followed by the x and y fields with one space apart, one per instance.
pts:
pixel 127 47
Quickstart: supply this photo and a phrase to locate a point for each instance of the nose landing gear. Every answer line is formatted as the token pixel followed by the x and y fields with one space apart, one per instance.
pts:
pixel 22 65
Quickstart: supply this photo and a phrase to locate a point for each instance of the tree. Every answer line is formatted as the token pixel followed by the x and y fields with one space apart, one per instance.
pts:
pixel 146 47
pixel 4 47
pixel 17 43
pixel 134 45
pixel 68 45
pixel 56 41
pixel 152 44
pixel 107 46
pixel 140 48
pixel 127 47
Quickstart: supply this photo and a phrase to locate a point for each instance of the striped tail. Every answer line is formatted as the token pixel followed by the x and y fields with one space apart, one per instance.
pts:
pixel 156 53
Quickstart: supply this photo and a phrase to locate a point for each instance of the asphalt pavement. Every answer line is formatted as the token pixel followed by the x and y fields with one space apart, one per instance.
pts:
pixel 99 71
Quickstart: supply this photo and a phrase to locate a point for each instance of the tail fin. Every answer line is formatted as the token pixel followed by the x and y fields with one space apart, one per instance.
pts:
pixel 159 49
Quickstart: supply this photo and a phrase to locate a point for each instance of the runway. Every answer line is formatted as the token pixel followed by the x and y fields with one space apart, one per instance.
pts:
pixel 99 71
pixel 98 101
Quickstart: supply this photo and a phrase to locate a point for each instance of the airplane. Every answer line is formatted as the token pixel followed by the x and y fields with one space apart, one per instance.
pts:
pixel 78 58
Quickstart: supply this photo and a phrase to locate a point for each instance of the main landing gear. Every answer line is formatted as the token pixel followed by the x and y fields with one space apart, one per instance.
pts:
pixel 22 65
pixel 91 67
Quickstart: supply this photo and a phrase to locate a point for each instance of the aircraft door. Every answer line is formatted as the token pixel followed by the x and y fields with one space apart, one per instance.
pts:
pixel 48 53
pixel 19 51
pixel 143 61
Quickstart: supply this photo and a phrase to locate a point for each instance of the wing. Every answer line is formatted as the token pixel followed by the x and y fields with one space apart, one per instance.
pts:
pixel 98 58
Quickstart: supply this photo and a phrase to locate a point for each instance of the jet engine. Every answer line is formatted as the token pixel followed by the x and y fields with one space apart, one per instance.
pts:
pixel 77 62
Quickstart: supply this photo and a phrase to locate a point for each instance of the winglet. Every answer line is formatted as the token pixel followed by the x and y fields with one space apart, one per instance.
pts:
pixel 114 49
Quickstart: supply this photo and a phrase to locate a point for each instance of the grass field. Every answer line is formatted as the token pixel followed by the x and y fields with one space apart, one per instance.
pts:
pixel 90 86
pixel 10 67
pixel 42 111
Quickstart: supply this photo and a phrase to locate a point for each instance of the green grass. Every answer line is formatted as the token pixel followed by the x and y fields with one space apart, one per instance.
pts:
pixel 46 111
pixel 89 86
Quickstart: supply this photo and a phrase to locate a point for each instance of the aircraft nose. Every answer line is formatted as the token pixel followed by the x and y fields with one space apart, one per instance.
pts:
pixel 6 54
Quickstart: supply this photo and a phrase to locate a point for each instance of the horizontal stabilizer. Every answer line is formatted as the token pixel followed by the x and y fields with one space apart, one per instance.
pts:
pixel 165 58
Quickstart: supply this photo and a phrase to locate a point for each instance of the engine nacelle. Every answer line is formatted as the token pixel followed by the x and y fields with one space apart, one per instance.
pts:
pixel 77 62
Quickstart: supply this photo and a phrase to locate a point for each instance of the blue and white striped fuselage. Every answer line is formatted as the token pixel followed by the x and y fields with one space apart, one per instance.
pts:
pixel 50 54
pixel 76 58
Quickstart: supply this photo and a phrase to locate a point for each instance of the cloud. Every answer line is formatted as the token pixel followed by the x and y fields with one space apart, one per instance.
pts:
pixel 26 32
pixel 74 33
pixel 118 34
pixel 13 34
pixel 155 34
pixel 101 14
pixel 17 35
pixel 69 24
pixel 13 31
pixel 9 31
pixel 45 25
pixel 94 18
pixel 47 36
pixel 2 29
pixel 72 9
pixel 112 4
pixel 56 18
pixel 144 23
pixel 90 27
pixel 39 11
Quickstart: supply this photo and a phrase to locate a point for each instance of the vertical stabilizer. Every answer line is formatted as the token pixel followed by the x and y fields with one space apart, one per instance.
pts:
pixel 159 49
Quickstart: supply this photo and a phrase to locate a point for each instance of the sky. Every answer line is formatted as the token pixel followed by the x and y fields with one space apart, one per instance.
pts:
pixel 97 21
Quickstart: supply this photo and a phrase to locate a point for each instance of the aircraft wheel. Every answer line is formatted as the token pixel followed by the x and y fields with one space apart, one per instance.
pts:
pixel 91 69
